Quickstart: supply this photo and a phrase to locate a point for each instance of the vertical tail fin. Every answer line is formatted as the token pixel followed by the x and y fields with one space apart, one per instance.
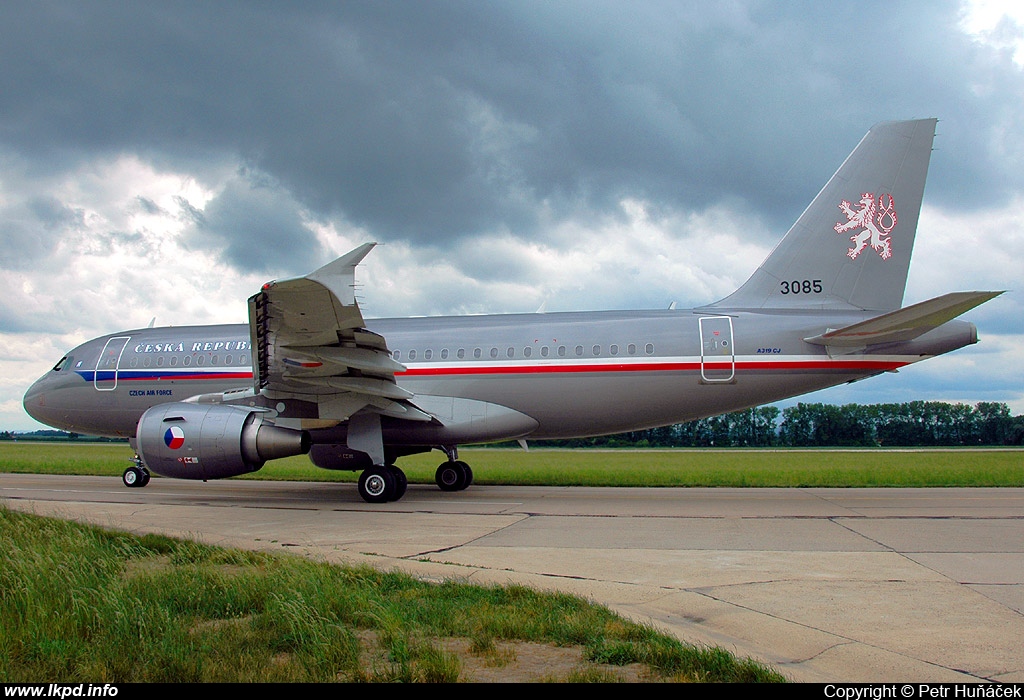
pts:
pixel 851 247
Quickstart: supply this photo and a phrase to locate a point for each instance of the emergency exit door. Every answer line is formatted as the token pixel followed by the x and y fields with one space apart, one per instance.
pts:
pixel 717 358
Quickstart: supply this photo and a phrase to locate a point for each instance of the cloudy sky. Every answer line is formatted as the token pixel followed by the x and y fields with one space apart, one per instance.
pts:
pixel 164 159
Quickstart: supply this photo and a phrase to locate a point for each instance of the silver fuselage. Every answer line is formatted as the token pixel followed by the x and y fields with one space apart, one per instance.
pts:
pixel 575 374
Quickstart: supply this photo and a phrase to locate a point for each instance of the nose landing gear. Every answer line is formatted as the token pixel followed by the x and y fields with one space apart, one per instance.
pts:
pixel 135 476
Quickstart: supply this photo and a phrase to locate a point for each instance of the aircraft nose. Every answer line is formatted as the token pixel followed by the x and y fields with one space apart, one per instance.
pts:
pixel 41 404
pixel 35 401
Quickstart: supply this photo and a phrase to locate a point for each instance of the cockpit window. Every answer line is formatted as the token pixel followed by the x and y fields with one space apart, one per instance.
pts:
pixel 63 363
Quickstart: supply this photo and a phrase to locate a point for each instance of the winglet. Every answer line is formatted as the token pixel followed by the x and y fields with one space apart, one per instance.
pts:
pixel 339 275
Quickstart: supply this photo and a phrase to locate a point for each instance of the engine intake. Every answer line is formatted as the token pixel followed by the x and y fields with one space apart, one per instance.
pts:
pixel 196 441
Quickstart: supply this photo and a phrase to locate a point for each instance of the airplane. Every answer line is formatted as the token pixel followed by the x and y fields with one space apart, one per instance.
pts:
pixel 309 375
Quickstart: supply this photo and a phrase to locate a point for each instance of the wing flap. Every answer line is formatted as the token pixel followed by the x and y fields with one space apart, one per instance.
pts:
pixel 364 359
pixel 358 385
pixel 311 343
pixel 904 324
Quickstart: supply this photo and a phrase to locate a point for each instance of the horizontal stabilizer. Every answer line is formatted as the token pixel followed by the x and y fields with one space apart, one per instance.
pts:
pixel 904 324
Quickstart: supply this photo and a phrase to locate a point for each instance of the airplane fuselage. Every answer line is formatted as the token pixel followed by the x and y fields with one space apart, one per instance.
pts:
pixel 575 374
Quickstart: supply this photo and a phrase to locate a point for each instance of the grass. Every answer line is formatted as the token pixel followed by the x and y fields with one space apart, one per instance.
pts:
pixel 557 467
pixel 83 604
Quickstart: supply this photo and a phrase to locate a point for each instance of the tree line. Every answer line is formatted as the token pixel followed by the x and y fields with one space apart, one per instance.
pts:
pixel 912 424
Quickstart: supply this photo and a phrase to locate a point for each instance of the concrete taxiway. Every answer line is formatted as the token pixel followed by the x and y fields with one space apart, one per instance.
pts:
pixel 825 585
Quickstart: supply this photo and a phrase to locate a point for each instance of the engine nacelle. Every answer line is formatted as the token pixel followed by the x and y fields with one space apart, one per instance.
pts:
pixel 339 457
pixel 212 441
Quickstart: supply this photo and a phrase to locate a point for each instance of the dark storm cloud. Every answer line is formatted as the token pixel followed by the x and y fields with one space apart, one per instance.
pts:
pixel 436 121
pixel 258 227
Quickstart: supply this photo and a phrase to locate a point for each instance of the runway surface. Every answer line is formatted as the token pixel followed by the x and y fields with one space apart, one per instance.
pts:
pixel 824 584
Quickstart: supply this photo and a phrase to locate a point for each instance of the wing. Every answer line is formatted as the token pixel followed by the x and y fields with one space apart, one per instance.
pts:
pixel 311 343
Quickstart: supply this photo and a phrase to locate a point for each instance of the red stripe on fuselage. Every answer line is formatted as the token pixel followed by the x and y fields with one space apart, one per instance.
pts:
pixel 813 365
pixel 427 371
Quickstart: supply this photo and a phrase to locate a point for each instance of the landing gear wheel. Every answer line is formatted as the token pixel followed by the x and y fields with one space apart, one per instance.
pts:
pixel 146 476
pixel 469 474
pixel 453 476
pixel 135 477
pixel 377 484
pixel 401 482
pixel 448 476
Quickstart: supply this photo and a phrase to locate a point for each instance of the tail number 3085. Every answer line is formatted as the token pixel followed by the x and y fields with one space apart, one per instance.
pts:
pixel 801 287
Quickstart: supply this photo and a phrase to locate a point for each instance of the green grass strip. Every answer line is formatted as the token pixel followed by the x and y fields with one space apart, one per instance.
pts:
pixel 626 467
pixel 83 604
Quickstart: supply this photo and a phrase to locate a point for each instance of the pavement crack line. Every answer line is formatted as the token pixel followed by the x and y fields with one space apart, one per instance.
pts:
pixel 453 547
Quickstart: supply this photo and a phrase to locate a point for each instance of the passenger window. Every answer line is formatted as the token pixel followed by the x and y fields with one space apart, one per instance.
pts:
pixel 561 351
pixel 527 351
pixel 511 352
pixel 412 354
pixel 613 349
pixel 631 349
pixel 579 350
pixel 649 348
pixel 461 353
pixel 427 354
pixel 397 354
pixel 478 353
pixel 544 351
pixel 444 353
pixel 597 350
pixel 174 362
pixel 494 353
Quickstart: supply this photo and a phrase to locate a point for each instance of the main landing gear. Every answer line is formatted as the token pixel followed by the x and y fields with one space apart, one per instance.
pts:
pixel 381 484
pixel 453 475
pixel 135 476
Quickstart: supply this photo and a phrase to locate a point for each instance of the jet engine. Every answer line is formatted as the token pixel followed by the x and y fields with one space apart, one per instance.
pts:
pixel 196 441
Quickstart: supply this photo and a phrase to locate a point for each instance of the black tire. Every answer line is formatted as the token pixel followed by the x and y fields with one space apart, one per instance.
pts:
pixel 133 477
pixel 450 476
pixel 401 482
pixel 377 485
pixel 146 476
pixel 468 474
